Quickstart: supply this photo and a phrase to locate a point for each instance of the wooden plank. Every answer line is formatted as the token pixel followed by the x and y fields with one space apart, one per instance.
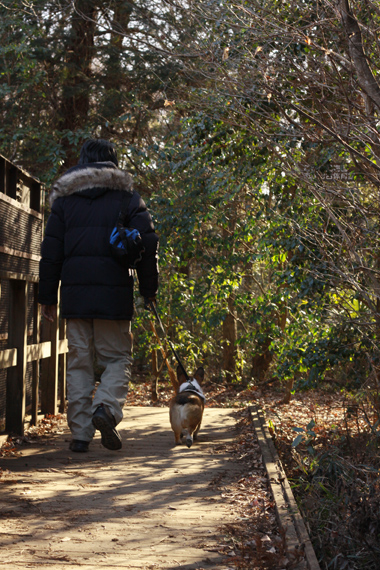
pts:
pixel 16 376
pixel 4 336
pixel 8 358
pixel 36 363
pixel 302 533
pixel 63 347
pixel 275 478
pixel 2 175
pixel 16 253
pixel 49 369
pixel 18 276
pixel 49 366
pixel 38 351
pixel 288 514
pixel 62 362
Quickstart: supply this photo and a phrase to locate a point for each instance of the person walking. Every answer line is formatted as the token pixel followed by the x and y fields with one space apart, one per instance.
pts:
pixel 96 287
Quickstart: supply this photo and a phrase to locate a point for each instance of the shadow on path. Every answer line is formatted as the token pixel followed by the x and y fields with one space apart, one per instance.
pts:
pixel 150 505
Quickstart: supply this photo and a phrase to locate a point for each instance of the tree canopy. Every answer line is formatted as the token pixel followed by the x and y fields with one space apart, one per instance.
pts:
pixel 253 129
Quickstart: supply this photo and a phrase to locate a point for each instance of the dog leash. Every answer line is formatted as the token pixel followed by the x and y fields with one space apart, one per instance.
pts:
pixel 164 353
pixel 154 310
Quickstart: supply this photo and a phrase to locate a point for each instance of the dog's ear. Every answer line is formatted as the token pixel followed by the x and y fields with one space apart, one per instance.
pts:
pixel 181 375
pixel 200 374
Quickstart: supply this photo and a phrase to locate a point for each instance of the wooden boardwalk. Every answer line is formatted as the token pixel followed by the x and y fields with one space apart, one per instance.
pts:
pixel 150 505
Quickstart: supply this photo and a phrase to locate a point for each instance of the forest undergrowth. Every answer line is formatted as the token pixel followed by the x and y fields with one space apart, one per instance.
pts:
pixel 329 446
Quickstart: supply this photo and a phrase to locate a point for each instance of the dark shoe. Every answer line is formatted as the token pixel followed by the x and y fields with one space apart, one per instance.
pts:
pixel 79 446
pixel 104 421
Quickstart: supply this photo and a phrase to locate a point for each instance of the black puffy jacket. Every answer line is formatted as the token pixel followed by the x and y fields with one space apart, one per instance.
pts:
pixel 85 204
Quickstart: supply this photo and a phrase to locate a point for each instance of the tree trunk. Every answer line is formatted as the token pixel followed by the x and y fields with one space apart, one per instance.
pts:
pixel 288 392
pixel 75 101
pixel 262 361
pixel 229 342
pixel 366 79
pixel 116 82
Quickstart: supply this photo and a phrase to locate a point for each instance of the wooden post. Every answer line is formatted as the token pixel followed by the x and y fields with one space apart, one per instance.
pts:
pixel 17 338
pixel 62 370
pixel 49 367
pixel 36 363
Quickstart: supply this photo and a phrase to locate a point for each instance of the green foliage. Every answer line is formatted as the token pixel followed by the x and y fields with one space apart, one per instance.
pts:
pixel 305 436
pixel 232 126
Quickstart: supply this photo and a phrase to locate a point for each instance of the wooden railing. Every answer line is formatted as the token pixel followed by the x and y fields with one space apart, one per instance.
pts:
pixel 47 353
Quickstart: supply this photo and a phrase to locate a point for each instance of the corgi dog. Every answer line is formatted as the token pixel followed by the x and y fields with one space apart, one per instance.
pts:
pixel 186 407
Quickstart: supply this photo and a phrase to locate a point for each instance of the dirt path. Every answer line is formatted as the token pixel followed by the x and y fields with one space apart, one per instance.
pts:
pixel 149 505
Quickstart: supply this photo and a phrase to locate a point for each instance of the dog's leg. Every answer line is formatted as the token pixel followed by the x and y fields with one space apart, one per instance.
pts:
pixel 187 438
pixel 195 434
pixel 175 421
pixel 178 437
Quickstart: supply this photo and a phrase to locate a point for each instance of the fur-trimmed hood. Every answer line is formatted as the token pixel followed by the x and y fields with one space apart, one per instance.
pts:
pixel 87 176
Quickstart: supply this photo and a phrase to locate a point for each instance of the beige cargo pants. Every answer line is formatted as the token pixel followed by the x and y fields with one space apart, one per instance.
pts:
pixel 111 342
